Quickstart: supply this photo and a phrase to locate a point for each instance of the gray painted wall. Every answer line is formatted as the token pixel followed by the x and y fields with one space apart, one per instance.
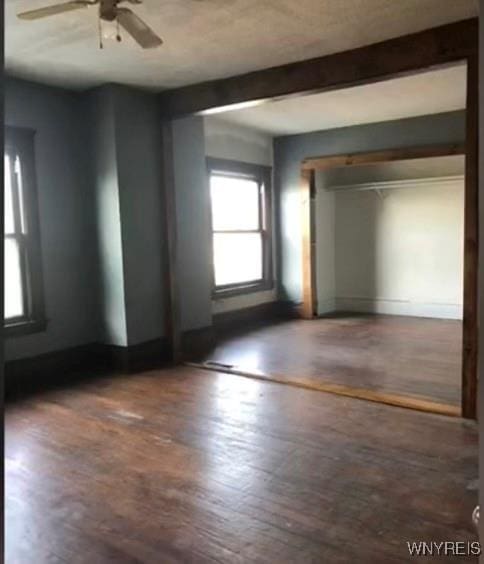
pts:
pixel 126 160
pixel 139 158
pixel 193 223
pixel 101 217
pixel 107 214
pixel 65 209
pixel 98 164
pixel 290 150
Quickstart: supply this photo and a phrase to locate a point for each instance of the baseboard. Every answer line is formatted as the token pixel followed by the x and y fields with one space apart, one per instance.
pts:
pixel 50 369
pixel 399 307
pixel 65 366
pixel 254 314
pixel 197 342
pixel 59 368
pixel 142 356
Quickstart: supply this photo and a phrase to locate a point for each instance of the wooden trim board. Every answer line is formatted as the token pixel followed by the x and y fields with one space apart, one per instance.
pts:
pixel 397 400
pixel 387 155
pixel 471 245
pixel 309 306
pixel 172 313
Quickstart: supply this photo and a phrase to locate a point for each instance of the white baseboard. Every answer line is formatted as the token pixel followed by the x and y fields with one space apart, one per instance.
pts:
pixel 399 307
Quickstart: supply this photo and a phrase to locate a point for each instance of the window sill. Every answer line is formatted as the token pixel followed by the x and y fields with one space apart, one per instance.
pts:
pixel 19 328
pixel 228 292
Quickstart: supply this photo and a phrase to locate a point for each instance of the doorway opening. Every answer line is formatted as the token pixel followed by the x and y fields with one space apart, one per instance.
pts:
pixel 396 207
pixel 383 275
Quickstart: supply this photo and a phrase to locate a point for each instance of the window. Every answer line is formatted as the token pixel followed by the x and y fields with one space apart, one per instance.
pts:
pixel 23 307
pixel 241 226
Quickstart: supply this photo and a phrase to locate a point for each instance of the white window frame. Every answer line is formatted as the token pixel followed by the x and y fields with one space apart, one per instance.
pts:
pixel 261 175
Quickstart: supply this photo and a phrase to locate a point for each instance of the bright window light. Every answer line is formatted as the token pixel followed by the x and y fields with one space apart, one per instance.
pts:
pixel 13 299
pixel 23 290
pixel 237 257
pixel 235 203
pixel 237 236
pixel 13 292
pixel 7 202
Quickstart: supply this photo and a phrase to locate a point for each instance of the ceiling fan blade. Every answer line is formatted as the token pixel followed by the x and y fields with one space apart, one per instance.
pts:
pixel 137 28
pixel 53 10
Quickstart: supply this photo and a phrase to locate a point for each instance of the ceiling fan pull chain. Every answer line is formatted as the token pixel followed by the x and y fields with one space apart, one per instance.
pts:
pixel 118 34
pixel 101 46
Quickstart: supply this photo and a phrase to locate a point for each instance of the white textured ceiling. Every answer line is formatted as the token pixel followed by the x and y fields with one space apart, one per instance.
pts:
pixel 429 92
pixel 209 39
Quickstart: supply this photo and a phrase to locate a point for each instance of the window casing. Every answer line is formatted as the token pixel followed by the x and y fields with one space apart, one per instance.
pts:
pixel 23 287
pixel 240 195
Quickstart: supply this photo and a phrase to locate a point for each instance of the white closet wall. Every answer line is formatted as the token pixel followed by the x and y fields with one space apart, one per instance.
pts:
pixel 400 252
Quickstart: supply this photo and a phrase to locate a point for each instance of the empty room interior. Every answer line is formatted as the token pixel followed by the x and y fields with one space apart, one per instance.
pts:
pixel 241 256
pixel 385 321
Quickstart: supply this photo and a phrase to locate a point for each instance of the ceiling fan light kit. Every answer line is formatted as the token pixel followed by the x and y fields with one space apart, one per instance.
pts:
pixel 109 11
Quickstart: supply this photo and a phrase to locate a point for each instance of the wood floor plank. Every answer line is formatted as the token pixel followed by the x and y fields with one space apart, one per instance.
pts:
pixel 319 385
pixel 386 355
pixel 186 465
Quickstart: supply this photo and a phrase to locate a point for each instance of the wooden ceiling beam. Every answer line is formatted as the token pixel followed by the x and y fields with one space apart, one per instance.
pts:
pixel 394 57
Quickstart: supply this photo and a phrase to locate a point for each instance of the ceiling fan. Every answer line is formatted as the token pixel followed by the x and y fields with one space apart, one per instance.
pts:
pixel 110 11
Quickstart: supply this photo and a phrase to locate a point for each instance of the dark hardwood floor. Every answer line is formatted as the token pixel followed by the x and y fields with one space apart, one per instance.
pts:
pixel 185 465
pixel 416 357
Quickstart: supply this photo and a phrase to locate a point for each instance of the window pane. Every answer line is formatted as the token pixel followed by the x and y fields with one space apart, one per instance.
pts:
pixel 235 203
pixel 18 172
pixel 13 303
pixel 237 257
pixel 7 202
